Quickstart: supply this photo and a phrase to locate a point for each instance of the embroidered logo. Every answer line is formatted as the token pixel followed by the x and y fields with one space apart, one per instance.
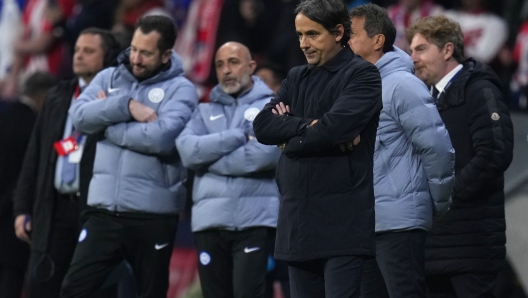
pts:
pixel 205 258
pixel 83 234
pixel 251 113
pixel 156 95
pixel 495 116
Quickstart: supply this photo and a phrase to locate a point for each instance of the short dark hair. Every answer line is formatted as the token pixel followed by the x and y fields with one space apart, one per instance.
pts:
pixel 38 82
pixel 328 13
pixel 377 21
pixel 109 44
pixel 278 72
pixel 161 24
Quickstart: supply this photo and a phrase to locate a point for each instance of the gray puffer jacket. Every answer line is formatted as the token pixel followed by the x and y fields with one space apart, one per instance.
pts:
pixel 137 167
pixel 414 159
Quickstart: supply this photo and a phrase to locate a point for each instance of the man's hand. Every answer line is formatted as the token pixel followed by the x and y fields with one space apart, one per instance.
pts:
pixel 350 145
pixel 22 227
pixel 281 109
pixel 101 94
pixel 140 112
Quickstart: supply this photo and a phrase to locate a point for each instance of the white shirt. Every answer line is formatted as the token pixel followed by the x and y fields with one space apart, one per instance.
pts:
pixel 441 85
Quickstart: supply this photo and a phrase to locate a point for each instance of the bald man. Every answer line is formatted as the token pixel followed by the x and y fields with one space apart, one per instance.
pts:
pixel 235 197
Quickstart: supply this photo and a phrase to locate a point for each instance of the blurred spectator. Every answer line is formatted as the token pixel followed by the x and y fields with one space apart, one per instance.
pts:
pixel 86 14
pixel 284 43
pixel 519 84
pixel 16 124
pixel 405 12
pixel 10 29
pixel 52 189
pixel 272 74
pixel 485 33
pixel 129 11
pixel 38 49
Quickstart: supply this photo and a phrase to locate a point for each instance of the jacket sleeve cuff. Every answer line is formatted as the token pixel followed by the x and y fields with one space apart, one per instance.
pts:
pixel 117 108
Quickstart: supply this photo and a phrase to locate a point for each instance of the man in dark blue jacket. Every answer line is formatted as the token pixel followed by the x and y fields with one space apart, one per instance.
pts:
pixel 325 228
pixel 466 248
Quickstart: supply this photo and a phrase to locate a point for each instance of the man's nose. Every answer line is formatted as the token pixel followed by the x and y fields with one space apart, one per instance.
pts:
pixel 303 41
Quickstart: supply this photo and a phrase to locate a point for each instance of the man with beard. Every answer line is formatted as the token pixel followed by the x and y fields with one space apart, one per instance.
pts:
pixel 53 184
pixel 236 200
pixel 137 190
pixel 325 117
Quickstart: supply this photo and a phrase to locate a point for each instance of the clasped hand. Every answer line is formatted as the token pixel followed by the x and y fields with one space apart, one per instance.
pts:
pixel 282 109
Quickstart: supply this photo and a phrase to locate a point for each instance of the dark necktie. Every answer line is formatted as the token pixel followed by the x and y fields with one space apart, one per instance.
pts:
pixel 435 94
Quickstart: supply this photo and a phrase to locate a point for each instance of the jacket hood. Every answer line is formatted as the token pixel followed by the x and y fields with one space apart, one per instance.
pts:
pixel 175 68
pixel 472 71
pixel 259 91
pixel 392 61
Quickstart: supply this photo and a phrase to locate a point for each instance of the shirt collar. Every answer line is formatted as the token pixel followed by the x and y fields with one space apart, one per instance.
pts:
pixel 82 83
pixel 440 86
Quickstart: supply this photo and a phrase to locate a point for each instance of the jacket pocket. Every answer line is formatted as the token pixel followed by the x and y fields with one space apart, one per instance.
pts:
pixel 386 166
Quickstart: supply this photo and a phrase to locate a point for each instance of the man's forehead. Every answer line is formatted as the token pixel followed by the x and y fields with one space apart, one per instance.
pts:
pixel 230 51
pixel 89 40
pixel 305 24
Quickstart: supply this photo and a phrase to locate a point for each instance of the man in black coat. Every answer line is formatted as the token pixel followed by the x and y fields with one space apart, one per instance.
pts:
pixel 47 207
pixel 326 218
pixel 466 248
pixel 16 124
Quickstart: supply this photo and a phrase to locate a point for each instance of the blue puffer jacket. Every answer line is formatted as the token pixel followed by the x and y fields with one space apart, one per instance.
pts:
pixel 414 158
pixel 137 167
pixel 234 186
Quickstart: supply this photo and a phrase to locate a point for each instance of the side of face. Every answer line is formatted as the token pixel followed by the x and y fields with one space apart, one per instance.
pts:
pixel 233 68
pixel 145 57
pixel 317 43
pixel 267 76
pixel 88 57
pixel 430 62
pixel 359 41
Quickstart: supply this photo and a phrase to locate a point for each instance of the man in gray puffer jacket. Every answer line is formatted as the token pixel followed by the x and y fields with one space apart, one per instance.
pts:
pixel 136 193
pixel 413 161
pixel 236 199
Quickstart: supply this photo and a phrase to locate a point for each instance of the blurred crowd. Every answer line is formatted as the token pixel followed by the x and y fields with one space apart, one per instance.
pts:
pixel 39 35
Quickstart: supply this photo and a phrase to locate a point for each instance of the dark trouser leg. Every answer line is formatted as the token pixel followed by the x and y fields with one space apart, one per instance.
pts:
pixel 343 277
pixel 401 259
pixel 307 279
pixel 96 255
pixel 11 282
pixel 372 283
pixel 337 277
pixel 250 259
pixel 148 248
pixel 46 270
pixel 215 263
pixel 461 285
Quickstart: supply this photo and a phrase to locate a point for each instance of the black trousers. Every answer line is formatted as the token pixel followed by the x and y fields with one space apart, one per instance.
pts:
pixel 46 270
pixel 461 285
pixel 233 263
pixel 400 257
pixel 106 240
pixel 336 277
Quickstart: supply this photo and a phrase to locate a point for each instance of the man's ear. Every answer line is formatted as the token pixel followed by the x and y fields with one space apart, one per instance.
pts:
pixel 340 32
pixel 448 51
pixel 252 66
pixel 379 41
pixel 165 57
